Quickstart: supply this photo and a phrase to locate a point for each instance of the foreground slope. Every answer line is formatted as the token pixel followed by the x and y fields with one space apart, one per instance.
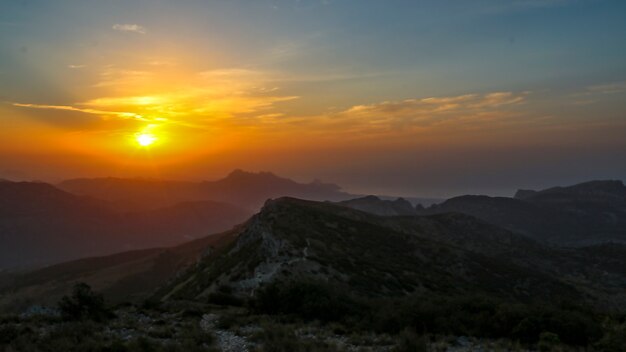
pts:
pixel 370 255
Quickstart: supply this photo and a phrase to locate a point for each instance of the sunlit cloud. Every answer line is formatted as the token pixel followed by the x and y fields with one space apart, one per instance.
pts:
pixel 427 110
pixel 462 111
pixel 200 100
pixel 76 66
pixel 129 28
pixel 102 113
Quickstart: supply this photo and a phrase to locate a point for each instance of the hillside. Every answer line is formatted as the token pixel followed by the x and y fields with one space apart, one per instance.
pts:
pixel 580 215
pixel 41 224
pixel 124 277
pixel 374 256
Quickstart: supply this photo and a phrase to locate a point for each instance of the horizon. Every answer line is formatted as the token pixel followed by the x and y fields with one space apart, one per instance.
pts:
pixel 308 182
pixel 413 98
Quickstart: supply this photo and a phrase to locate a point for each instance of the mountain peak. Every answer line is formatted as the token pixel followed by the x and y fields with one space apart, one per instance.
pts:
pixel 239 173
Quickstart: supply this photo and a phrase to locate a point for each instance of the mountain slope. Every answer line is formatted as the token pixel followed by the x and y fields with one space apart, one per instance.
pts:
pixel 585 214
pixel 40 224
pixel 128 276
pixel 394 256
pixel 244 189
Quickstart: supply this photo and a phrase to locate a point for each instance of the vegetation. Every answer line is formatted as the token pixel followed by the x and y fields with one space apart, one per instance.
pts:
pixel 530 323
pixel 83 304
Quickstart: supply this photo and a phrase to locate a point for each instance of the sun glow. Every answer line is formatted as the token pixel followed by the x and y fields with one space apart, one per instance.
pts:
pixel 145 139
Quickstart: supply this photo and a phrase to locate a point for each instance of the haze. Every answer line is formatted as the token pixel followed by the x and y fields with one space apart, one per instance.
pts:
pixel 428 98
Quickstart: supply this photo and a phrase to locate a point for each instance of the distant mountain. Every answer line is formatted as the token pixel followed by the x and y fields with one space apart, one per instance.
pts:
pixel 375 205
pixel 41 224
pixel 369 255
pixel 244 189
pixel 128 276
pixel 584 214
pixel 593 191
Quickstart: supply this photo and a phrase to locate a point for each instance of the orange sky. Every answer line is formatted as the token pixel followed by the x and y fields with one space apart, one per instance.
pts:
pixel 308 90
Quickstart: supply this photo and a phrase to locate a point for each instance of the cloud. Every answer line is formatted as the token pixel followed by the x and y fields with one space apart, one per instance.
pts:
pixel 76 66
pixel 130 28
pixel 610 88
pixel 199 100
pixel 102 113
pixel 466 111
pixel 435 108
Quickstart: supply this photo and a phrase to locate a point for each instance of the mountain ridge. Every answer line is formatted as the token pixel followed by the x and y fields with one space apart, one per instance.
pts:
pixel 41 224
pixel 293 239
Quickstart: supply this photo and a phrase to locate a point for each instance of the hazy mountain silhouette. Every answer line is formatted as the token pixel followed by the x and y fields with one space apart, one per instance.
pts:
pixel 127 276
pixel 244 189
pixel 41 224
pixel 587 213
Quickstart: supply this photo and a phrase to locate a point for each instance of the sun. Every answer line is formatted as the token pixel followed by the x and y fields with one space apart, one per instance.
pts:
pixel 145 139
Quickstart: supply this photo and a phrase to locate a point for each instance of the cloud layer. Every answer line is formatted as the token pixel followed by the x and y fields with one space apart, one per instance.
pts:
pixel 130 28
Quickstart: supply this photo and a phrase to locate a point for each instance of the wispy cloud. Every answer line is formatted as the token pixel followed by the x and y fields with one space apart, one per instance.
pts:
pixel 130 28
pixel 76 66
pixel 102 113
pixel 208 99
pixel 429 110
pixel 464 111
pixel 610 88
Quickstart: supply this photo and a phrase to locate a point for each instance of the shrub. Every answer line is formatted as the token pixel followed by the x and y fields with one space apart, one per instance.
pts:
pixel 224 297
pixel 548 341
pixel 308 300
pixel 83 304
pixel 409 341
pixel 614 338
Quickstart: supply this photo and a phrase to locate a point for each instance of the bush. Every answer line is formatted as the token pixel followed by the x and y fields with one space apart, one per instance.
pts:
pixel 308 300
pixel 224 297
pixel 614 338
pixel 548 341
pixel 409 341
pixel 8 333
pixel 83 304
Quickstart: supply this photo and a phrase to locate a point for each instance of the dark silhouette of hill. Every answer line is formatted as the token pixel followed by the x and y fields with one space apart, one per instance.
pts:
pixel 41 224
pixel 584 214
pixel 369 255
pixel 127 276
pixel 244 189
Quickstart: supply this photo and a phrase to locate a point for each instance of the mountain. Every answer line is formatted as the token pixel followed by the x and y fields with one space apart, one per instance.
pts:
pixel 381 256
pixel 127 276
pixel 376 257
pixel 244 189
pixel 583 214
pixel 375 205
pixel 593 191
pixel 41 224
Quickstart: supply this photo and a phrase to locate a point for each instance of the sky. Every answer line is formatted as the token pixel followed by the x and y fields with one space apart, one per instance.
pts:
pixel 415 98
